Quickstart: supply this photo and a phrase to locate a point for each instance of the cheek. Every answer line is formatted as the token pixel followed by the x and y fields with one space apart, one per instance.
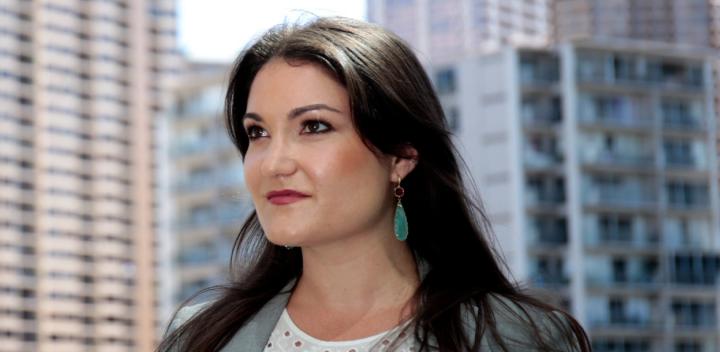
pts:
pixel 251 171
pixel 349 168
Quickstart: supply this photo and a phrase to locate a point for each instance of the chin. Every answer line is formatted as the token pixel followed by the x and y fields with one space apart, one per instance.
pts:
pixel 283 238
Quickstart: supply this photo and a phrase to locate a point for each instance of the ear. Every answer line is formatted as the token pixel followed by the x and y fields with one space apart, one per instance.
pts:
pixel 403 165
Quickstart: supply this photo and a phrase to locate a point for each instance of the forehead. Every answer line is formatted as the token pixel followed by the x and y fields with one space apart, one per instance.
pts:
pixel 282 84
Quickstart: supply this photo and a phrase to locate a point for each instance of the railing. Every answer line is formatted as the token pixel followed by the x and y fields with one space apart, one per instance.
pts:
pixel 549 279
pixel 542 118
pixel 534 158
pixel 684 161
pixel 537 71
pixel 626 280
pixel 629 240
pixel 683 123
pixel 621 159
pixel 627 322
pixel 624 196
pixel 544 197
pixel 657 78
pixel 552 238
pixel 619 120
pixel 701 202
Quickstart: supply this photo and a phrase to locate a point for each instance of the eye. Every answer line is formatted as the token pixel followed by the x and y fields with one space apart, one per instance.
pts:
pixel 315 127
pixel 254 132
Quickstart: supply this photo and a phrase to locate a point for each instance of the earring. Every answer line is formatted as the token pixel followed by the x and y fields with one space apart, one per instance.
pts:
pixel 401 224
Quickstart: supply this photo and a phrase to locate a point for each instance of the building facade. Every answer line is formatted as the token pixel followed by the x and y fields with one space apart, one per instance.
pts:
pixel 209 200
pixel 689 22
pixel 80 83
pixel 442 31
pixel 596 165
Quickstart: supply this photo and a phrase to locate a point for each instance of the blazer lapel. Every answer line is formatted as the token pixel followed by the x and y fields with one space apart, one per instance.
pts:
pixel 255 334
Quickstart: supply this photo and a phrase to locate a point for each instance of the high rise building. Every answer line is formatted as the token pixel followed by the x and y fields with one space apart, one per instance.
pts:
pixel 209 199
pixel 80 84
pixel 688 22
pixel 444 30
pixel 596 165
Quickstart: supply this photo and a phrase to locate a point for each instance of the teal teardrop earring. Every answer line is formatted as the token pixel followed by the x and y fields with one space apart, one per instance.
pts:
pixel 401 224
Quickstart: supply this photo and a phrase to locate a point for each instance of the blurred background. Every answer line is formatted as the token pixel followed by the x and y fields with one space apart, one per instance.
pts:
pixel 589 126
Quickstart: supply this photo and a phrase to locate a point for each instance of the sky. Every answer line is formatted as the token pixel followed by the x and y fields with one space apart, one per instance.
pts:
pixel 216 30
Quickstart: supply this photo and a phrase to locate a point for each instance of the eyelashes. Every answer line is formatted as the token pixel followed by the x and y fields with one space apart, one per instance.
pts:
pixel 315 126
pixel 254 132
pixel 310 126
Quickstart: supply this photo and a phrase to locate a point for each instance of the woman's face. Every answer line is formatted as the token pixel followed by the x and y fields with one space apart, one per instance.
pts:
pixel 312 179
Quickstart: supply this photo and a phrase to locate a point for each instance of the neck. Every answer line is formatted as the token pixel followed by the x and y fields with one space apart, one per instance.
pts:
pixel 362 274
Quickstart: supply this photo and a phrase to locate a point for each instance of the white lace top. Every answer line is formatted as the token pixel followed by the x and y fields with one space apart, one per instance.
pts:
pixel 288 337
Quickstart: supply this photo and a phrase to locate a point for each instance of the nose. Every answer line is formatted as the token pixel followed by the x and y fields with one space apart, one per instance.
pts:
pixel 279 160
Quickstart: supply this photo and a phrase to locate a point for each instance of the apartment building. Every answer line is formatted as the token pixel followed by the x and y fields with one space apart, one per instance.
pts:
pixel 597 166
pixel 687 23
pixel 441 31
pixel 80 84
pixel 208 197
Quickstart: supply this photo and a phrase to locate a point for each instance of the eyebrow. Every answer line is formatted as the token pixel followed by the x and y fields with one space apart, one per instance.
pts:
pixel 294 112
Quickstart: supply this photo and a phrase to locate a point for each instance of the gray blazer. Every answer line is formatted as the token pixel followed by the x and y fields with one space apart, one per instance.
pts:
pixel 510 319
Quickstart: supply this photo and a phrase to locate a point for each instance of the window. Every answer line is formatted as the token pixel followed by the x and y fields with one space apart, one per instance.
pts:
pixel 617 311
pixel 551 230
pixel 621 345
pixel 688 346
pixel 619 270
pixel 445 81
pixel 547 189
pixel 615 228
pixel 695 269
pixel 684 194
pixel 453 119
pixel 678 152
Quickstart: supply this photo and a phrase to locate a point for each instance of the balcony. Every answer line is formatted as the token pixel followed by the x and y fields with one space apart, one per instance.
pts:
pixel 549 279
pixel 540 197
pixel 552 238
pixel 542 159
pixel 614 344
pixel 543 112
pixel 681 162
pixel 539 69
pixel 626 196
pixel 619 159
pixel 616 121
pixel 684 239
pixel 695 269
pixel 684 122
pixel 626 322
pixel 619 69
pixel 632 281
pixel 615 111
pixel 629 240
pixel 694 323
pixel 695 200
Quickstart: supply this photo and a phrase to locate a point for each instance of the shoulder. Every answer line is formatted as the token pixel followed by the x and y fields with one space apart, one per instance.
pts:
pixel 521 325
pixel 255 331
pixel 186 313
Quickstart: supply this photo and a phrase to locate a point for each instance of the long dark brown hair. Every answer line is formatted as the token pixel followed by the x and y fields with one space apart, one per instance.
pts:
pixel 393 105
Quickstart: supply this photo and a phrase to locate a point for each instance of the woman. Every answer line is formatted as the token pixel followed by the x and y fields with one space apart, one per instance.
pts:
pixel 363 236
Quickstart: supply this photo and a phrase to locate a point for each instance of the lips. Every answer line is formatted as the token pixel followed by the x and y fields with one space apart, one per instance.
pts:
pixel 285 196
